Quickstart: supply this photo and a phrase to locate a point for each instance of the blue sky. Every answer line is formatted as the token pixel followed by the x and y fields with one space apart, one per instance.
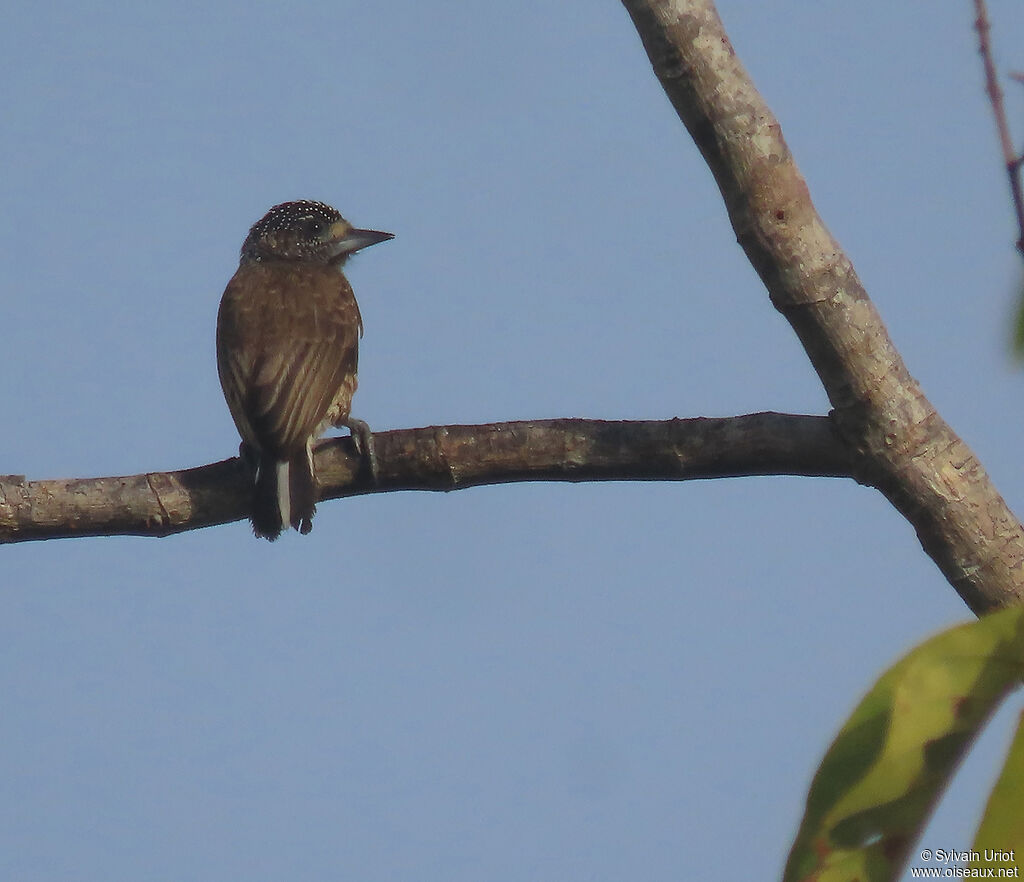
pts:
pixel 527 682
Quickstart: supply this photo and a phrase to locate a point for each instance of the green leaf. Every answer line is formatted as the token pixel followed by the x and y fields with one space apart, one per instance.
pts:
pixel 877 784
pixel 1000 838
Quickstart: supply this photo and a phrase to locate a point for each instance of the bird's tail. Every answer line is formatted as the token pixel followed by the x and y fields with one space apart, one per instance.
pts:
pixel 302 491
pixel 285 494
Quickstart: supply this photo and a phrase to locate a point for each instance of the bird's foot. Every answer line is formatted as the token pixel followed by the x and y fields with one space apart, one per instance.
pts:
pixel 362 438
pixel 249 456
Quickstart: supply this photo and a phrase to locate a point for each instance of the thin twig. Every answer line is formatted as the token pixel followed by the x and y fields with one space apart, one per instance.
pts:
pixel 1012 159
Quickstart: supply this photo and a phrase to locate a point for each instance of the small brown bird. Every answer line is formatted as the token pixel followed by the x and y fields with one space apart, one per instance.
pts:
pixel 288 334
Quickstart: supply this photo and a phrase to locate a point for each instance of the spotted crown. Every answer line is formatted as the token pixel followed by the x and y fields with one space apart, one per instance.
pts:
pixel 291 231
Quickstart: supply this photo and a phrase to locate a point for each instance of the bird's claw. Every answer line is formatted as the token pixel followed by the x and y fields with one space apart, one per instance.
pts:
pixel 249 456
pixel 362 438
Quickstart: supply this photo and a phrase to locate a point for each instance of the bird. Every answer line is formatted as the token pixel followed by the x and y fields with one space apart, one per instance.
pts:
pixel 288 331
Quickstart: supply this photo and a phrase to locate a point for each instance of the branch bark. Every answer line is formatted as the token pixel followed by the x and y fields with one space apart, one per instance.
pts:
pixel 435 458
pixel 880 412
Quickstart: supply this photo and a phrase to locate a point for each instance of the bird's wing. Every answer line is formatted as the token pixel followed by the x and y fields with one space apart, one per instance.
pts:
pixel 287 352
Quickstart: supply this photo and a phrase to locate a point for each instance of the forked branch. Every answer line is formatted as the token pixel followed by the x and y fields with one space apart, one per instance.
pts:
pixel 915 458
pixel 882 430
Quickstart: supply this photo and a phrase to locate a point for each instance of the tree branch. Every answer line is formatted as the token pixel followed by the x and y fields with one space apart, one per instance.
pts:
pixel 914 457
pixel 435 458
pixel 1011 158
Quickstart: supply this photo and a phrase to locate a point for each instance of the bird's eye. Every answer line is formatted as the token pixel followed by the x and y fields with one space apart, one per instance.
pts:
pixel 313 226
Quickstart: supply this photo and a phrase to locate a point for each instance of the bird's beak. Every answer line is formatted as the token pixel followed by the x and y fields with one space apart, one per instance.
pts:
pixel 346 240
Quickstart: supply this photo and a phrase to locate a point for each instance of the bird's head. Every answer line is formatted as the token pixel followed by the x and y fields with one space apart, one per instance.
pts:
pixel 307 231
